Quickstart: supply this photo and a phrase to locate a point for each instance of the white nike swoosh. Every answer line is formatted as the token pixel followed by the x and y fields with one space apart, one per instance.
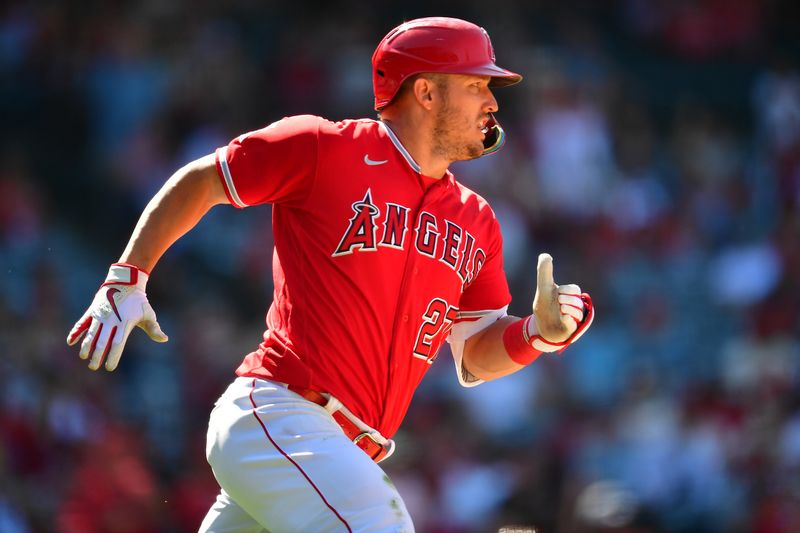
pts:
pixel 372 163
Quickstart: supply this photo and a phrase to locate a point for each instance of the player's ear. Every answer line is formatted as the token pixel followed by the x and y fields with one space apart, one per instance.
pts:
pixel 424 91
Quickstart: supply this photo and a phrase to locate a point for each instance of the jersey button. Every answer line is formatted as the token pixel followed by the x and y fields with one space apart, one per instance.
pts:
pixel 416 271
pixel 405 318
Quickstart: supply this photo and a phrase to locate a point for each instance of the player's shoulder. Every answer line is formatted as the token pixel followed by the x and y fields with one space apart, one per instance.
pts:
pixel 471 198
pixel 294 125
pixel 286 128
pixel 477 209
pixel 351 128
pixel 363 124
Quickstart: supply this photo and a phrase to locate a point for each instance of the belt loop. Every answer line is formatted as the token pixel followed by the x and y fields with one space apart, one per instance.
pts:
pixel 389 449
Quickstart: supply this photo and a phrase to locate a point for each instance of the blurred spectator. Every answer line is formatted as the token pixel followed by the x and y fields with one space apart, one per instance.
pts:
pixel 113 488
pixel 571 147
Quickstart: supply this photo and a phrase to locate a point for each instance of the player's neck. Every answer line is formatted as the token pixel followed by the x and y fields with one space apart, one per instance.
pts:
pixel 416 139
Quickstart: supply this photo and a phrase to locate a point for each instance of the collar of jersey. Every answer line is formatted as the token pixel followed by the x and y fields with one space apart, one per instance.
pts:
pixel 400 148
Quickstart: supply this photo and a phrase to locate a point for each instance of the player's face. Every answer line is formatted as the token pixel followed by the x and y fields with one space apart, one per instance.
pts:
pixel 461 119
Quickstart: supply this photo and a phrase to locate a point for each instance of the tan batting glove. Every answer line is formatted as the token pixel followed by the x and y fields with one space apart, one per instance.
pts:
pixel 561 313
pixel 119 305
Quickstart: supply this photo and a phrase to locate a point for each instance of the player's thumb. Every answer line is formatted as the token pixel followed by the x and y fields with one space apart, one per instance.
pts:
pixel 545 302
pixel 153 330
pixel 544 273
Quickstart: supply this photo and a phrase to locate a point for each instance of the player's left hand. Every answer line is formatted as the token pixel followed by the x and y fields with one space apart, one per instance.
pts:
pixel 562 313
pixel 119 306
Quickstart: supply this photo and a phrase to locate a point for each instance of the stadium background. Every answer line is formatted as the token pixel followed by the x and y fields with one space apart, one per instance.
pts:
pixel 654 151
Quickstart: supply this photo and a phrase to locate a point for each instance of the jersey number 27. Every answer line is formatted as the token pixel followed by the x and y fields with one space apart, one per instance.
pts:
pixel 437 322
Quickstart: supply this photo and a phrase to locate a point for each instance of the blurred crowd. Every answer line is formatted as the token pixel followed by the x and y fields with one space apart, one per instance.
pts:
pixel 654 151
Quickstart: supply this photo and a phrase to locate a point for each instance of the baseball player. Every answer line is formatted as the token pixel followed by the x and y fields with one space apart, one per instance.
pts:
pixel 381 255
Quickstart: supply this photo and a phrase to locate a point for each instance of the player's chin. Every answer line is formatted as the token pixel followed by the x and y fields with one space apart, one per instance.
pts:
pixel 474 150
pixel 466 151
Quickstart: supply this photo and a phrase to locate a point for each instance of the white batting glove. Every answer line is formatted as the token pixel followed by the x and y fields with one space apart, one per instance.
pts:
pixel 561 313
pixel 119 305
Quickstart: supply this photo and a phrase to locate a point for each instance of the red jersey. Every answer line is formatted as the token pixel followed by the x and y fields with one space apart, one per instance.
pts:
pixel 374 266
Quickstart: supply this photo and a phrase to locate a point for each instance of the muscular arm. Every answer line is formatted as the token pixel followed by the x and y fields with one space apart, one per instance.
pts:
pixel 485 356
pixel 180 204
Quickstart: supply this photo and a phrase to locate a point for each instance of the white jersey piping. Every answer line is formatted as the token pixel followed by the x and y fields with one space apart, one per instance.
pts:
pixel 400 147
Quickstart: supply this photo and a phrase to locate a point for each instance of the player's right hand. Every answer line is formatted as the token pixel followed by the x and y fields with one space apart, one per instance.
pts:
pixel 119 306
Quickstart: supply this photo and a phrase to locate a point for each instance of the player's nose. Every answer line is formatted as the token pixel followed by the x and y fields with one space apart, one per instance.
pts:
pixel 491 102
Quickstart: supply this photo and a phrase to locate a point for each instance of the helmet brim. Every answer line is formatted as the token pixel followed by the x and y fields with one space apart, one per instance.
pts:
pixel 511 78
pixel 500 76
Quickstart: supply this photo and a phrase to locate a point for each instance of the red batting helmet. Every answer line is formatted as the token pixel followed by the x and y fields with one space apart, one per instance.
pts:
pixel 433 44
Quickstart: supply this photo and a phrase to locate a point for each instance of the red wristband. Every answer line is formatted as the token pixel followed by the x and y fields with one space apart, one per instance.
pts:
pixel 514 340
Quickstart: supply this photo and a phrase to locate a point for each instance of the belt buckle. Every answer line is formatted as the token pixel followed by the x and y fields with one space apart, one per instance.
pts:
pixel 381 448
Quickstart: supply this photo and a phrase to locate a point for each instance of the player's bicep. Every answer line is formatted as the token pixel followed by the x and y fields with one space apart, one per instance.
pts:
pixel 205 174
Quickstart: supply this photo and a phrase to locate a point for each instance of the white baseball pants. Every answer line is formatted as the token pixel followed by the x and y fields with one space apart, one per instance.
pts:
pixel 285 466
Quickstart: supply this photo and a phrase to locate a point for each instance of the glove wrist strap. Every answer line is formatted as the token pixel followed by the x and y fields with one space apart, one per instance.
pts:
pixel 126 274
